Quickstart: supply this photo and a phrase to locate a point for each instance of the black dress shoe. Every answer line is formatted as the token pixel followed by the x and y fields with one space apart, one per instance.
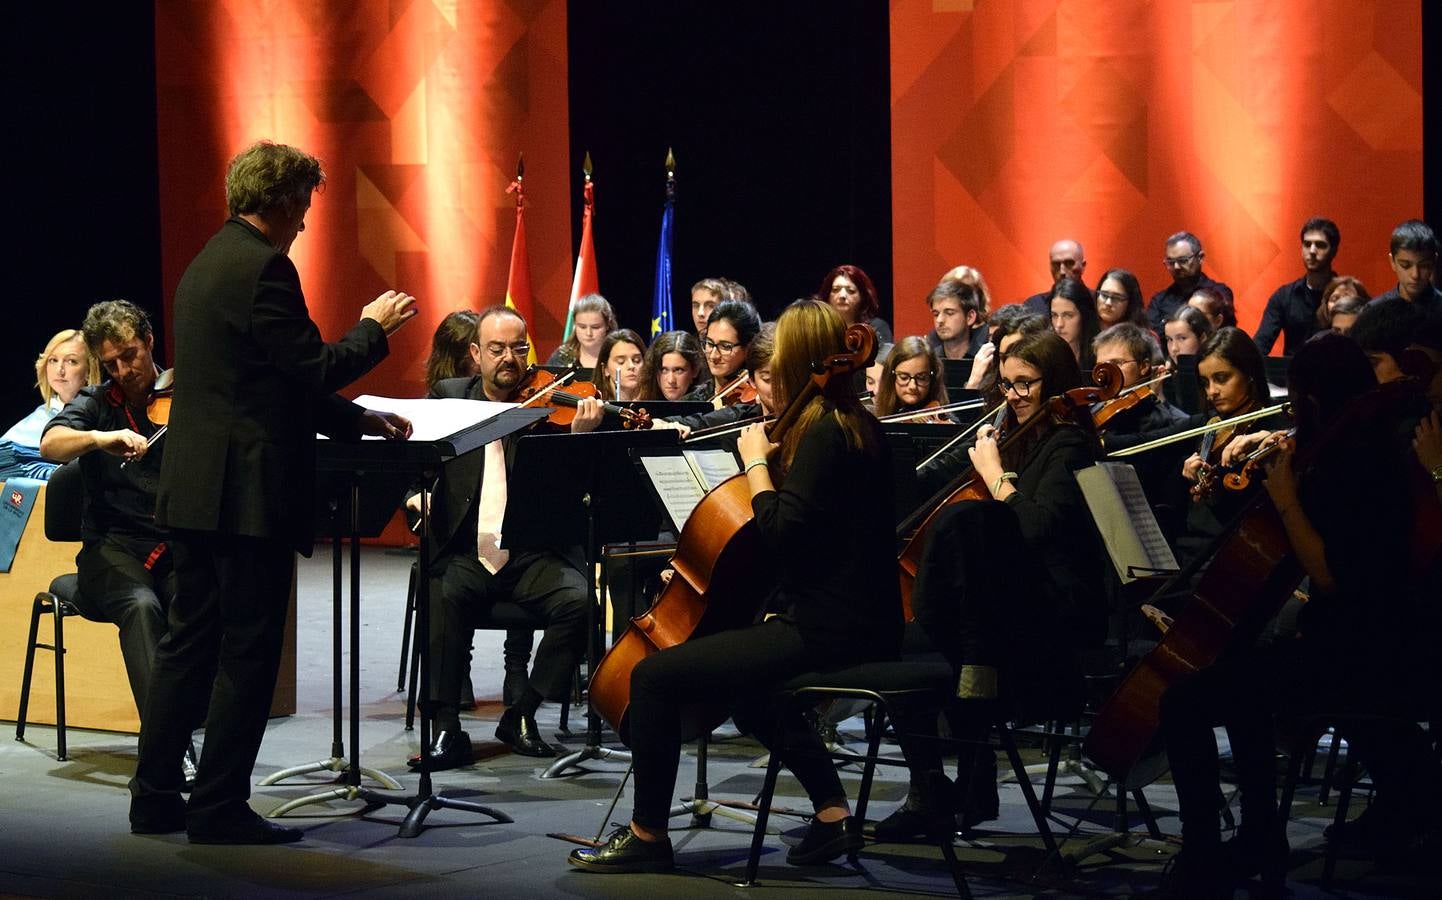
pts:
pixel 254 830
pixel 450 750
pixel 520 732
pixel 908 825
pixel 625 852
pixel 824 841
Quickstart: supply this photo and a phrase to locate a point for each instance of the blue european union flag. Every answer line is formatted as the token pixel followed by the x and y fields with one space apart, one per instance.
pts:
pixel 662 317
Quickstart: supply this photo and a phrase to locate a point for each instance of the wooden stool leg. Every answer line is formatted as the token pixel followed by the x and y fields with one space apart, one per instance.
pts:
pixel 29 667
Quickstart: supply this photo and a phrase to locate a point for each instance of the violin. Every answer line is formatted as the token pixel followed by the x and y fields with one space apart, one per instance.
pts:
pixel 157 408
pixel 739 390
pixel 720 568
pixel 540 388
pixel 1241 476
pixel 1075 404
pixel 1130 398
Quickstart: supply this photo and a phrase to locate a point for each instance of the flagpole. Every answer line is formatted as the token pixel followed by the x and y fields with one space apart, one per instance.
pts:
pixel 662 312
pixel 585 281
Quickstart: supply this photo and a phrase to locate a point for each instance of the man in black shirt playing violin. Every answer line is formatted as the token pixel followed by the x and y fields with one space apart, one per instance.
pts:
pixel 126 572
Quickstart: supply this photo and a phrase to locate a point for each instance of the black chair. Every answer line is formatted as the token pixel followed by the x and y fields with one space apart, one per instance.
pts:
pixel 909 687
pixel 64 503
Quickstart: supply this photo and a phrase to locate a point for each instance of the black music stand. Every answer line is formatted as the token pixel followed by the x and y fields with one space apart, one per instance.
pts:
pixel 387 468
pixel 567 489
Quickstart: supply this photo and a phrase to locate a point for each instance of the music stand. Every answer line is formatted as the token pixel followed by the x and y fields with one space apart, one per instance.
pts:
pixel 567 489
pixel 387 468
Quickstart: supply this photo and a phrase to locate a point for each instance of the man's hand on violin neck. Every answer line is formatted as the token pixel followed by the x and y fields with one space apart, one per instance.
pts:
pixel 390 310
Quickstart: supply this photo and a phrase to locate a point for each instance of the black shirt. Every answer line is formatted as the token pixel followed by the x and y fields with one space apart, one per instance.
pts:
pixel 1165 301
pixel 830 530
pixel 1292 313
pixel 1430 303
pixel 119 499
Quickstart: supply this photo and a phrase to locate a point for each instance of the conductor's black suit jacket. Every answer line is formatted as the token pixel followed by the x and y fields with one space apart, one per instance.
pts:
pixel 253 385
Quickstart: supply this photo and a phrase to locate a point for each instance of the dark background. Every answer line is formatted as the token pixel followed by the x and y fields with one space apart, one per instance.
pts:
pixel 781 133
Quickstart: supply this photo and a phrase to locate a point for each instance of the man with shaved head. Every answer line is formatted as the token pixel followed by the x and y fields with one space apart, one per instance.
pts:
pixel 1067 260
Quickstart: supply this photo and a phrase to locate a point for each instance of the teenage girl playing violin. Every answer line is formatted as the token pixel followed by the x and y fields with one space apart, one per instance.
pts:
pixel 1007 590
pixel 827 521
pixel 729 331
pixel 910 381
pixel 1358 648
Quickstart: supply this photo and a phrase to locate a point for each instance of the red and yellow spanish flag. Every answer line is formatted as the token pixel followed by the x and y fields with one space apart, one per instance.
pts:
pixel 518 282
pixel 585 281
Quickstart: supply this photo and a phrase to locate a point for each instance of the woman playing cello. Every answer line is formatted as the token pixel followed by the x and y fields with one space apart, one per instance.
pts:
pixel 826 521
pixel 1348 517
pixel 1008 590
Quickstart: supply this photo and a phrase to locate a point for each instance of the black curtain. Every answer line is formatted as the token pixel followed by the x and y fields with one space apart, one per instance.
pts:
pixel 779 114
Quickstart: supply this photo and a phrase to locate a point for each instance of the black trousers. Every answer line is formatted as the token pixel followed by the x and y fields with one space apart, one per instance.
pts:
pixel 115 586
pixel 227 628
pixel 739 667
pixel 462 589
pixel 1246 692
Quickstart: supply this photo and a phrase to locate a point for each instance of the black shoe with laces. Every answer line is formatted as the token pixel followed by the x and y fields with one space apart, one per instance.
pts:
pixel 824 841
pixel 624 851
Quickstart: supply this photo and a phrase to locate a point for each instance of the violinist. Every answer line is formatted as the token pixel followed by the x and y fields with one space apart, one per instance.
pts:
pixel 758 363
pixel 729 331
pixel 591 320
pixel 619 364
pixel 911 381
pixel 1133 349
pixel 1357 651
pixel 1010 586
pixel 826 520
pixel 675 367
pixel 470 570
pixel 1234 382
pixel 127 573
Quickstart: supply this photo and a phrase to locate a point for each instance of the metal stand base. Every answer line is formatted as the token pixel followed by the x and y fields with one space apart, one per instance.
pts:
pixel 334 764
pixel 590 751
pixel 1065 767
pixel 421 806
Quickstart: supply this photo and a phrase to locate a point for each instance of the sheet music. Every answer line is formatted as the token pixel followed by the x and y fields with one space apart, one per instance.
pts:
pixel 1125 520
pixel 712 466
pixel 435 419
pixel 675 484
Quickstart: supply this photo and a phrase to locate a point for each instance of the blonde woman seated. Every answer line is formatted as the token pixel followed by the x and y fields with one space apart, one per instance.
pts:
pixel 592 320
pixel 911 381
pixel 62 369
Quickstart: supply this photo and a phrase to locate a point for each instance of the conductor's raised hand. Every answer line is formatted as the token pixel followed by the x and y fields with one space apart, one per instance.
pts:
pixel 390 310
pixel 389 425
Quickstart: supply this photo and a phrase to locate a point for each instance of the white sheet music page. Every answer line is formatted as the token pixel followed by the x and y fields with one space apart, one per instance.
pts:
pixel 712 466
pixel 676 485
pixel 436 419
pixel 1125 521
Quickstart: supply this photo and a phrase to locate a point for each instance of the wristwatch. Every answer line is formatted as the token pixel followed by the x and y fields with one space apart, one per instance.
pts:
pixel 1437 474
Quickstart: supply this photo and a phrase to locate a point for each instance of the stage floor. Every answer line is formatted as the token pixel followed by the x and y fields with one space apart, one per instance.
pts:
pixel 63 826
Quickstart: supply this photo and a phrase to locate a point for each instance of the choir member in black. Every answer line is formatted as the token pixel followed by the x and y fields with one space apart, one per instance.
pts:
pixel 1383 330
pixel 675 367
pixel 1234 382
pixel 910 381
pixel 1010 588
pixel 620 366
pixel 451 348
pixel 1074 318
pixel 1357 651
pixel 1214 306
pixel 958 321
pixel 1119 299
pixel 1185 331
pixel 1413 254
pixel 1291 311
pixel 1344 315
pixel 1183 259
pixel 1066 259
pixel 729 331
pixel 591 320
pixel 705 294
pixel 850 292
pixel 1338 289
pixel 827 522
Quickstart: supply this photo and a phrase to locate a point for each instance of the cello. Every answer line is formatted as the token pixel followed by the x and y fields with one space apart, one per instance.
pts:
pixel 1075 404
pixel 719 567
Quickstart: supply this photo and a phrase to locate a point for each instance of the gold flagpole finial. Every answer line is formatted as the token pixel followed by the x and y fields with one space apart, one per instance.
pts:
pixel 670 164
pixel 520 166
pixel 586 166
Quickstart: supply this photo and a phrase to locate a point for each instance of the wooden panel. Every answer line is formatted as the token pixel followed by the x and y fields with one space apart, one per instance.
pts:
pixel 97 692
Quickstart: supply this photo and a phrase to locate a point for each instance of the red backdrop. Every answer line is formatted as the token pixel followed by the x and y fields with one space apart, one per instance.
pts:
pixel 1018 122
pixel 418 111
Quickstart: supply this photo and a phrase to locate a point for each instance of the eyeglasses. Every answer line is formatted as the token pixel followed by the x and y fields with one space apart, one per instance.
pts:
pixel 497 350
pixel 1021 388
pixel 1110 299
pixel 711 346
pixel 921 378
pixel 1177 262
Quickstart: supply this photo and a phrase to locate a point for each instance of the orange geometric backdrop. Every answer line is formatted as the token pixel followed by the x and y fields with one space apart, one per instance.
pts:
pixel 417 109
pixel 1018 122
